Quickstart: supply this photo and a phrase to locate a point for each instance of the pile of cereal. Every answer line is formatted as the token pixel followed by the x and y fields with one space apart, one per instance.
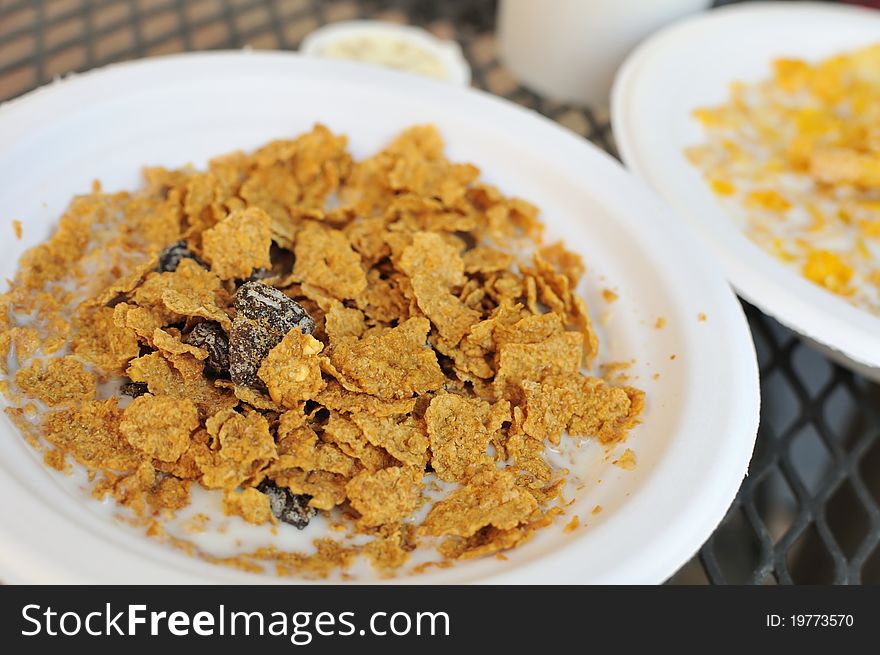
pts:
pixel 798 158
pixel 305 333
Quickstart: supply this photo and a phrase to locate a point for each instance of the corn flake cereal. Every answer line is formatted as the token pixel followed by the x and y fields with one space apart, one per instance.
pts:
pixel 796 160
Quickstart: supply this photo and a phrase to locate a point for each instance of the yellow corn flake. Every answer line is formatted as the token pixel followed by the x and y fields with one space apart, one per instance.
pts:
pixel 325 259
pixel 60 381
pixel 249 504
pixel 722 187
pixel 385 496
pixel 843 166
pixel 238 244
pixel 489 498
pixel 160 426
pixel 435 268
pixel 870 229
pixel 802 145
pixel 291 370
pixel 627 461
pixel 767 199
pixel 709 117
pixel 828 270
pixel 391 364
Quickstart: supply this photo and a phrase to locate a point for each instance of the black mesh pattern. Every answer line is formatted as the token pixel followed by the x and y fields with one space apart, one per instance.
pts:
pixel 809 511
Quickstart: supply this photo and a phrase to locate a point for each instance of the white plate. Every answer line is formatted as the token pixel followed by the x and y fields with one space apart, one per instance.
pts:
pixel 690 65
pixel 700 424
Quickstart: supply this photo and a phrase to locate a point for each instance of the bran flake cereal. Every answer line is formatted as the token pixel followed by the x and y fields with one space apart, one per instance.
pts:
pixel 385 342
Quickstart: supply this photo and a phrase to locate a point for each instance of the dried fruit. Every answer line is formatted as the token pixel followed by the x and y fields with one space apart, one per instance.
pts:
pixel 265 304
pixel 133 389
pixel 212 338
pixel 287 506
pixel 169 259
pixel 265 315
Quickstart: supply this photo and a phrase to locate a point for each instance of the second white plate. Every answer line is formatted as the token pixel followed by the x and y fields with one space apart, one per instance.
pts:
pixel 691 64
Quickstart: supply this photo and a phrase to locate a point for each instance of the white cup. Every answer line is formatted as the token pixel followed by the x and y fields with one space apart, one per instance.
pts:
pixel 570 49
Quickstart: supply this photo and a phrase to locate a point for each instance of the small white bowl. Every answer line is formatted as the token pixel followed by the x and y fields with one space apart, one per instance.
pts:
pixel 447 53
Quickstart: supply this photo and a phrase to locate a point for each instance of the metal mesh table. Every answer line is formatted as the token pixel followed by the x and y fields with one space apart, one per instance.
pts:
pixel 809 511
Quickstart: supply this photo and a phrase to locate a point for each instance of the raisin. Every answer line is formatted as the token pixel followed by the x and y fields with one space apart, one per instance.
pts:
pixel 133 389
pixel 169 259
pixel 213 339
pixel 261 302
pixel 264 316
pixel 287 506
